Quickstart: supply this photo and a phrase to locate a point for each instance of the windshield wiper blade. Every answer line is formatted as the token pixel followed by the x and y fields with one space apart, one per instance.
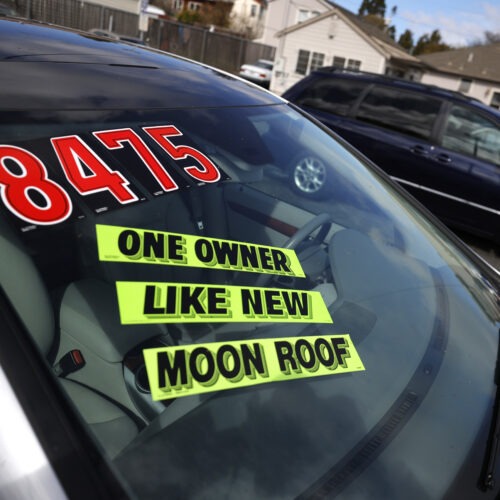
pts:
pixel 487 478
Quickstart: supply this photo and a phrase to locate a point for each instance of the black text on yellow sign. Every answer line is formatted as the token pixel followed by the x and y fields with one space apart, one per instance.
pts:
pixel 195 369
pixel 143 303
pixel 125 244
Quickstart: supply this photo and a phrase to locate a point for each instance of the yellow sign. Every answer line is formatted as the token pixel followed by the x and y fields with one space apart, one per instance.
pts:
pixel 144 303
pixel 123 244
pixel 195 369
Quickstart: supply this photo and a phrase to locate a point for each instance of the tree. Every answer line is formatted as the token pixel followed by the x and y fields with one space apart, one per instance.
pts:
pixel 210 14
pixel 240 26
pixel 377 21
pixel 216 14
pixel 406 40
pixel 189 16
pixel 373 12
pixel 166 5
pixel 487 38
pixel 427 44
pixel 372 7
pixel 391 31
pixel 491 37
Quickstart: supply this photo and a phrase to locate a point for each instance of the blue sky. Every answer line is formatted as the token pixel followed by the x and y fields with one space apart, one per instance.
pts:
pixel 459 21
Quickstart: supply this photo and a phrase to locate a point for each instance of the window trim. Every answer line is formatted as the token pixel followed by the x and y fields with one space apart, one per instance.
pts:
pixel 314 55
pixel 343 59
pixel 358 66
pixel 309 64
pixel 302 51
pixel 495 100
pixel 465 85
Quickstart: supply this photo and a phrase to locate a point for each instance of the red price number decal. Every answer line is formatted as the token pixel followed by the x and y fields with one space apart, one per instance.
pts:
pixel 204 171
pixel 73 154
pixel 51 206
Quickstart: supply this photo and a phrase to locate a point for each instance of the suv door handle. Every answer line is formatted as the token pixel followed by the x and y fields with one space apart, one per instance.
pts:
pixel 419 150
pixel 443 158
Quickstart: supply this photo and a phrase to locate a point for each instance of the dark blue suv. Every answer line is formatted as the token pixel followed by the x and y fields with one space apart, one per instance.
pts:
pixel 440 145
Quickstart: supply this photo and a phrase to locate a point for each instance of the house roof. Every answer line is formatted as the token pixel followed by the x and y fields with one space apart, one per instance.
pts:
pixel 377 38
pixel 479 62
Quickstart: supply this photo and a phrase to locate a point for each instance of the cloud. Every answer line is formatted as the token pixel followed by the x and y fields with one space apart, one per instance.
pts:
pixel 457 27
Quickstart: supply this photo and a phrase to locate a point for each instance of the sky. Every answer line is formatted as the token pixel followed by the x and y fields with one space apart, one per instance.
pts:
pixel 460 22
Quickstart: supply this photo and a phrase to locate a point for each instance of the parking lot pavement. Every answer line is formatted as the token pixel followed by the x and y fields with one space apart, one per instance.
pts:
pixel 487 250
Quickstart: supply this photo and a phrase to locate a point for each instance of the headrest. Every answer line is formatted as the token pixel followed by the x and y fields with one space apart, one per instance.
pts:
pixel 23 286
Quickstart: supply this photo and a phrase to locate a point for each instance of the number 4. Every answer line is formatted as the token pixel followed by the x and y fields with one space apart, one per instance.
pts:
pixel 74 154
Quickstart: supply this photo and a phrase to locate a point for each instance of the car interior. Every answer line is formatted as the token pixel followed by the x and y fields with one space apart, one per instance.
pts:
pixel 377 279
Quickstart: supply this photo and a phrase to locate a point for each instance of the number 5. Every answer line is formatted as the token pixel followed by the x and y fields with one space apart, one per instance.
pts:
pixel 206 171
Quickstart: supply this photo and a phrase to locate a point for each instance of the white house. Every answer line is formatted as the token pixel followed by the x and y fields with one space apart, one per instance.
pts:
pixel 281 14
pixel 474 71
pixel 337 38
pixel 131 6
pixel 247 16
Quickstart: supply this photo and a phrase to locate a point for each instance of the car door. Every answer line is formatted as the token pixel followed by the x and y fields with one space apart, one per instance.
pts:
pixel 391 126
pixel 469 147
pixel 394 129
pixel 401 130
pixel 413 136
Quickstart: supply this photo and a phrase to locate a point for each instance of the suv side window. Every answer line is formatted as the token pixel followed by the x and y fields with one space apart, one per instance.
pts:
pixel 470 133
pixel 332 95
pixel 401 110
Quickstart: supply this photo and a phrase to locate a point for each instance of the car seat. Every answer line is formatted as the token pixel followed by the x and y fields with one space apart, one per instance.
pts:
pixel 111 424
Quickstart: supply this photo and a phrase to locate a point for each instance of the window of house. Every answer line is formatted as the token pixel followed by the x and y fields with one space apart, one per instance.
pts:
pixel 302 62
pixel 338 62
pixel 353 65
pixel 335 96
pixel 465 85
pixel 495 100
pixel 317 60
pixel 470 133
pixel 395 72
pixel 307 62
pixel 253 10
pixel 304 15
pixel 406 112
pixel 178 4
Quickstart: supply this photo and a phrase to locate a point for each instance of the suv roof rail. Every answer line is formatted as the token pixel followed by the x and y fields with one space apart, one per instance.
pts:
pixel 387 78
pixel 336 69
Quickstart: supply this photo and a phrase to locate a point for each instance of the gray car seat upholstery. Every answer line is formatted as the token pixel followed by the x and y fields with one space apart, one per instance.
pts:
pixel 23 285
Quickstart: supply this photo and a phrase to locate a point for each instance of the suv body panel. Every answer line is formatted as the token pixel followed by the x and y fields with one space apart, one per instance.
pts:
pixel 463 190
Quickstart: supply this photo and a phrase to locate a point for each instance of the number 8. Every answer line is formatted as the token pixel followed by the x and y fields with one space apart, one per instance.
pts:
pixel 15 189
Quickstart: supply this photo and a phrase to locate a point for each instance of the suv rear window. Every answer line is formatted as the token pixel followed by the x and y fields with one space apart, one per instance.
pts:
pixel 407 112
pixel 332 95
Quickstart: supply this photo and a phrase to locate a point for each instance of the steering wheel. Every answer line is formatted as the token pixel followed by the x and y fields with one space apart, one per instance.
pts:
pixel 322 220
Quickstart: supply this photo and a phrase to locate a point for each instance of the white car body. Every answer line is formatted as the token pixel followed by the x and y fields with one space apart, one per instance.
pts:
pixel 258 72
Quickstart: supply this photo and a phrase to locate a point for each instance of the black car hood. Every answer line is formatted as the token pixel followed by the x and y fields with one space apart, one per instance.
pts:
pixel 91 71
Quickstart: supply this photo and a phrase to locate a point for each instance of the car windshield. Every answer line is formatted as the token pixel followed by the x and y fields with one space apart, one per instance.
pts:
pixel 278 319
pixel 264 64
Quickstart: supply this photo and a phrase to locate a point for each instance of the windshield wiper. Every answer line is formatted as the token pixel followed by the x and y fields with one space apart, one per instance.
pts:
pixel 487 477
